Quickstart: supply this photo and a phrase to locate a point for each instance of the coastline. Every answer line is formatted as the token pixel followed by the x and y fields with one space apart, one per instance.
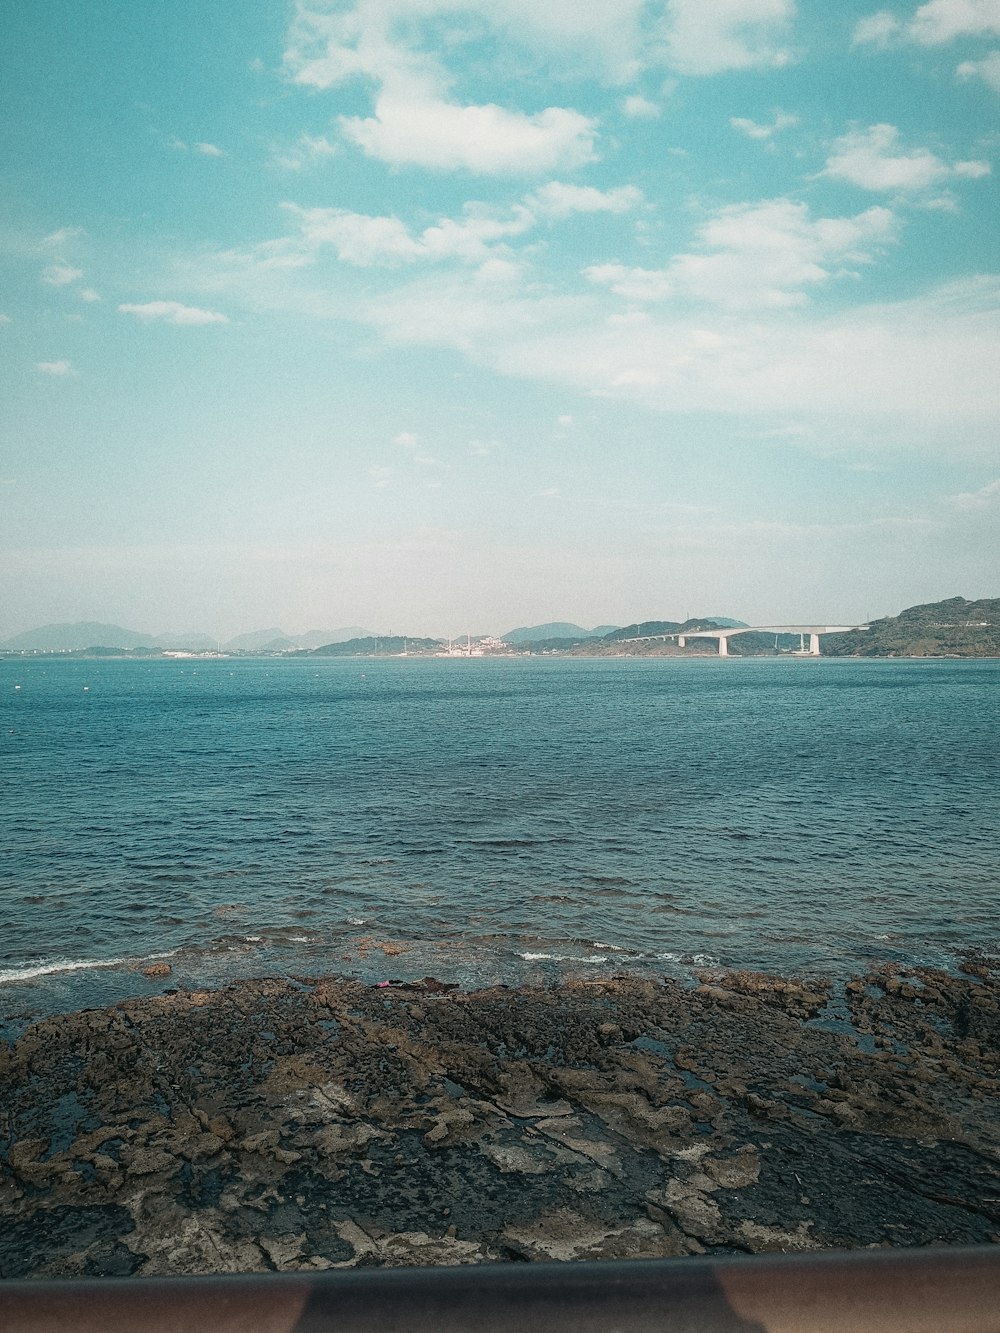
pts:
pixel 314 1123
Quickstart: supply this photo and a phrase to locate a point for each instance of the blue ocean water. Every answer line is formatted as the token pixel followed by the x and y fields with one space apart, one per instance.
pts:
pixel 489 819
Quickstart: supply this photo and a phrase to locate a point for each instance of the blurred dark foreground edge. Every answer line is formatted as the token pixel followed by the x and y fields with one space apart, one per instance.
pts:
pixel 870 1291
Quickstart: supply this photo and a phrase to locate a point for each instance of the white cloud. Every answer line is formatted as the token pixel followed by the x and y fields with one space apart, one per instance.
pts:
pixel 357 237
pixel 60 275
pixel 307 151
pixel 756 255
pixel 635 284
pixel 430 132
pixel 877 29
pixel 782 121
pixel 640 108
pixel 59 369
pixel 480 235
pixel 386 40
pixel 918 367
pixel 942 20
pixel 209 150
pixel 88 294
pixel 932 24
pixel 985 498
pixel 365 240
pixel 172 312
pixel 415 121
pixel 4 319
pixel 871 159
pixel 711 36
pixel 558 200
pixel 57 239
pixel 987 69
pixel 972 170
pixel 381 476
pixel 406 439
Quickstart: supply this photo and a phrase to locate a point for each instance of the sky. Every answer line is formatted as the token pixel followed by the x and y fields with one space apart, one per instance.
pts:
pixel 446 315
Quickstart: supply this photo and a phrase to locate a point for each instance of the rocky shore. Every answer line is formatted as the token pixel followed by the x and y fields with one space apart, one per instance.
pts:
pixel 322 1123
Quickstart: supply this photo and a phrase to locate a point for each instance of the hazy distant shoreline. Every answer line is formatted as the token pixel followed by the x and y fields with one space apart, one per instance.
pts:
pixel 955 627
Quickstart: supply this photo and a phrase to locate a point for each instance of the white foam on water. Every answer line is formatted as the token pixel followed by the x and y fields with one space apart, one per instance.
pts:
pixel 45 969
pixel 559 958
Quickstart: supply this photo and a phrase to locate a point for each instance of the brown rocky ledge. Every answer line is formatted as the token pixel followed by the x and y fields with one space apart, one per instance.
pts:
pixel 318 1124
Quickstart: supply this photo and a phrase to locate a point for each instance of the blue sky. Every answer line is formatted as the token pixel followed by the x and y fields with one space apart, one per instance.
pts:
pixel 434 315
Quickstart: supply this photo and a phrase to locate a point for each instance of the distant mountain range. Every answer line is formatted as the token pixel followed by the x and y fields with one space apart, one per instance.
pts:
pixel 554 629
pixel 951 628
pixel 84 634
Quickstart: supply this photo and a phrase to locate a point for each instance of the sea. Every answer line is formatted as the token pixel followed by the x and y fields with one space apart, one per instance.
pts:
pixel 489 820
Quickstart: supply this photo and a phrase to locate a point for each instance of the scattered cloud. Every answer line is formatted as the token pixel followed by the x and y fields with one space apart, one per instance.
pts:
pixel 205 149
pixel 932 24
pixel 4 319
pixel 59 369
pixel 482 234
pixel 943 20
pixel 877 29
pixel 60 275
pixel 406 439
pixel 416 121
pixel 985 498
pixel 987 69
pixel 782 121
pixel 710 38
pixel 387 41
pixel 637 107
pixel 430 132
pixel 88 294
pixel 307 151
pixel 756 255
pixel 172 312
pixel 366 240
pixel 871 159
pixel 56 240
pixel 381 476
pixel 558 200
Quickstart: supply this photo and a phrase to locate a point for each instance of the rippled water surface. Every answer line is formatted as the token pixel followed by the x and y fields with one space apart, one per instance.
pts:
pixel 499 818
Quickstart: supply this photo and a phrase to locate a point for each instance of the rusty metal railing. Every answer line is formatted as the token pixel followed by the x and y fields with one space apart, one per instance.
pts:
pixel 870 1291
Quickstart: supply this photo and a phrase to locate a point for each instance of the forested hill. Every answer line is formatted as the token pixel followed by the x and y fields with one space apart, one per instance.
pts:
pixel 952 628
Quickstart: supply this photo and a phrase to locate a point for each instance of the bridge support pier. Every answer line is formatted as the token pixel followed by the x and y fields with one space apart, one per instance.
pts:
pixel 814 645
pixel 681 641
pixel 723 645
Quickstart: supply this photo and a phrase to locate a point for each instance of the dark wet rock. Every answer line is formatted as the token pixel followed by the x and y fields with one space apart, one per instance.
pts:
pixel 291 1125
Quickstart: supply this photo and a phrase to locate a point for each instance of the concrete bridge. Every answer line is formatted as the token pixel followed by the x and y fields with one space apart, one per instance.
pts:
pixel 724 635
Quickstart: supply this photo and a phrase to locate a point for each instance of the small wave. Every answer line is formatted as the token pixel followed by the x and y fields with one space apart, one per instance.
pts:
pixel 688 959
pixel 45 969
pixel 560 958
